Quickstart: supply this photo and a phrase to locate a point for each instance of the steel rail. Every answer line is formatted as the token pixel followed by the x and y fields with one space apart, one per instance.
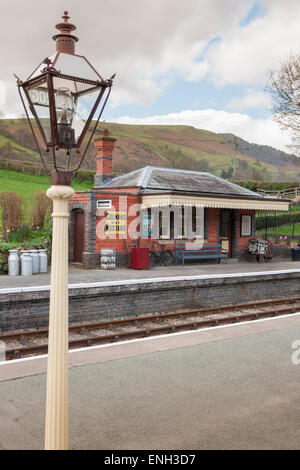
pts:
pixel 150 331
pixel 43 332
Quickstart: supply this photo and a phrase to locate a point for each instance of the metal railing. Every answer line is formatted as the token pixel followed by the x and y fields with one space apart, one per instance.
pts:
pixel 281 239
pixel 291 193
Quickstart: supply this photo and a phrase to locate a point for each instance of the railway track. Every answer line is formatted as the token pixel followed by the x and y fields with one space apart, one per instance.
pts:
pixel 34 342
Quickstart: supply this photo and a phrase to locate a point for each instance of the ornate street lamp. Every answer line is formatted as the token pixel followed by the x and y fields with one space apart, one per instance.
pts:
pixel 63 95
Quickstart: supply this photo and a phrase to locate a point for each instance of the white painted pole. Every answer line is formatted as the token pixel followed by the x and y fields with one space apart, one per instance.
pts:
pixel 56 432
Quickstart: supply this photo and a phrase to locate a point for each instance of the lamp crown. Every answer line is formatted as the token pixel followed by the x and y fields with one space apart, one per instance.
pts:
pixel 65 41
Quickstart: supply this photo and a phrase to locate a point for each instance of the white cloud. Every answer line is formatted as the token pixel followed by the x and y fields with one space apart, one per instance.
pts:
pixel 2 93
pixel 146 41
pixel 245 53
pixel 141 40
pixel 251 99
pixel 259 131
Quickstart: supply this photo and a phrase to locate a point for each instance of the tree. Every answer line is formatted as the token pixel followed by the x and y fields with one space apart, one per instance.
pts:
pixel 227 173
pixel 284 88
pixel 89 161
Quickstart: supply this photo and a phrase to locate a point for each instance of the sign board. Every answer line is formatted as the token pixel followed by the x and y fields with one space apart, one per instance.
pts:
pixel 39 96
pixel 104 204
pixel 116 222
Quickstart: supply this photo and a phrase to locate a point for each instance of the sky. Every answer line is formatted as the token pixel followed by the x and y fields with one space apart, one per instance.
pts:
pixel 202 63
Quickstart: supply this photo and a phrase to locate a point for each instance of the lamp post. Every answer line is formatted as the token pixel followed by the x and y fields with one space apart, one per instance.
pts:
pixel 63 95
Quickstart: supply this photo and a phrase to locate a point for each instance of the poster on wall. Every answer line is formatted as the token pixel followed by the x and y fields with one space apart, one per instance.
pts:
pixel 246 223
pixel 116 222
pixel 146 225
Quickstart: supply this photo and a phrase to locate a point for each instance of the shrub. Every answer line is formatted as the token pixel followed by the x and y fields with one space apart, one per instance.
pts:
pixel 85 175
pixel 18 235
pixel 41 204
pixel 12 213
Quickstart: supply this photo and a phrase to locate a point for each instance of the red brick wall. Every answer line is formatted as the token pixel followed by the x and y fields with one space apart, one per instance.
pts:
pixel 132 198
pixel 213 223
pixel 117 204
pixel 80 197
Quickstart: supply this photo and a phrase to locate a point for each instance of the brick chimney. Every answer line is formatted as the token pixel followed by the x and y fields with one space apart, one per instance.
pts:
pixel 104 149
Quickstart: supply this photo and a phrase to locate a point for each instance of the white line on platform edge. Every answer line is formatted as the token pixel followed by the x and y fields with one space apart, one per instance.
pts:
pixel 101 346
pixel 87 285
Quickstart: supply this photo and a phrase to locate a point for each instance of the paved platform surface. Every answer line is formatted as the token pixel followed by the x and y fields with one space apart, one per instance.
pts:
pixel 230 387
pixel 78 275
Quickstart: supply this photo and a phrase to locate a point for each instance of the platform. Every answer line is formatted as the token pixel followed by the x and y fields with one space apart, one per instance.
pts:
pixel 228 387
pixel 79 275
pixel 159 291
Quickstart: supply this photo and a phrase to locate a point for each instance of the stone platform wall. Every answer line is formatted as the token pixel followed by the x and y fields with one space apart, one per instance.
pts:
pixel 25 309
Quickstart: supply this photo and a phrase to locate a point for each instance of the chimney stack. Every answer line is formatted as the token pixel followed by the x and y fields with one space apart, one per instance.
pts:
pixel 104 149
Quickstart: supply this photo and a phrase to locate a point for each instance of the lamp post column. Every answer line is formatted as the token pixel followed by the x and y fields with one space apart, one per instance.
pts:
pixel 56 433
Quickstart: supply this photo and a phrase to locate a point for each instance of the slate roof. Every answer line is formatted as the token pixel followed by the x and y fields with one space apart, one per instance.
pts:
pixel 153 179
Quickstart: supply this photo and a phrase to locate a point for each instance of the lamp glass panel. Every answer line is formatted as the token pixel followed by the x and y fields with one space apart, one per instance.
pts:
pixel 75 66
pixel 39 100
pixel 74 102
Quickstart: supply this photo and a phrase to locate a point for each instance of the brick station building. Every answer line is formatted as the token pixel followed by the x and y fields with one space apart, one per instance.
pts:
pixel 104 216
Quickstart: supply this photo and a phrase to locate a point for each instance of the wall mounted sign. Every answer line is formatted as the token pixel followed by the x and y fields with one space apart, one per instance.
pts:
pixel 116 222
pixel 104 204
pixel 246 225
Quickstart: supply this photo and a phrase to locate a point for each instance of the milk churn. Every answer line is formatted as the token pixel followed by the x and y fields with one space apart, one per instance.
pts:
pixel 13 263
pixel 108 259
pixel 35 261
pixel 26 264
pixel 43 261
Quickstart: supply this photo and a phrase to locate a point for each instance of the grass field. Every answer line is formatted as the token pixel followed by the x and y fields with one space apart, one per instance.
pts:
pixel 25 184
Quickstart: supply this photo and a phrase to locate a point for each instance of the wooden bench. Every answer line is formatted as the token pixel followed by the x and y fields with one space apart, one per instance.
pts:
pixel 207 252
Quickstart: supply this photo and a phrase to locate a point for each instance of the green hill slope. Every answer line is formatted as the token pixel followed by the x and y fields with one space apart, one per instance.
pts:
pixel 171 146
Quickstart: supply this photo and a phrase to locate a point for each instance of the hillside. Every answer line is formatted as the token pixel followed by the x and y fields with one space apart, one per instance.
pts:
pixel 172 146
